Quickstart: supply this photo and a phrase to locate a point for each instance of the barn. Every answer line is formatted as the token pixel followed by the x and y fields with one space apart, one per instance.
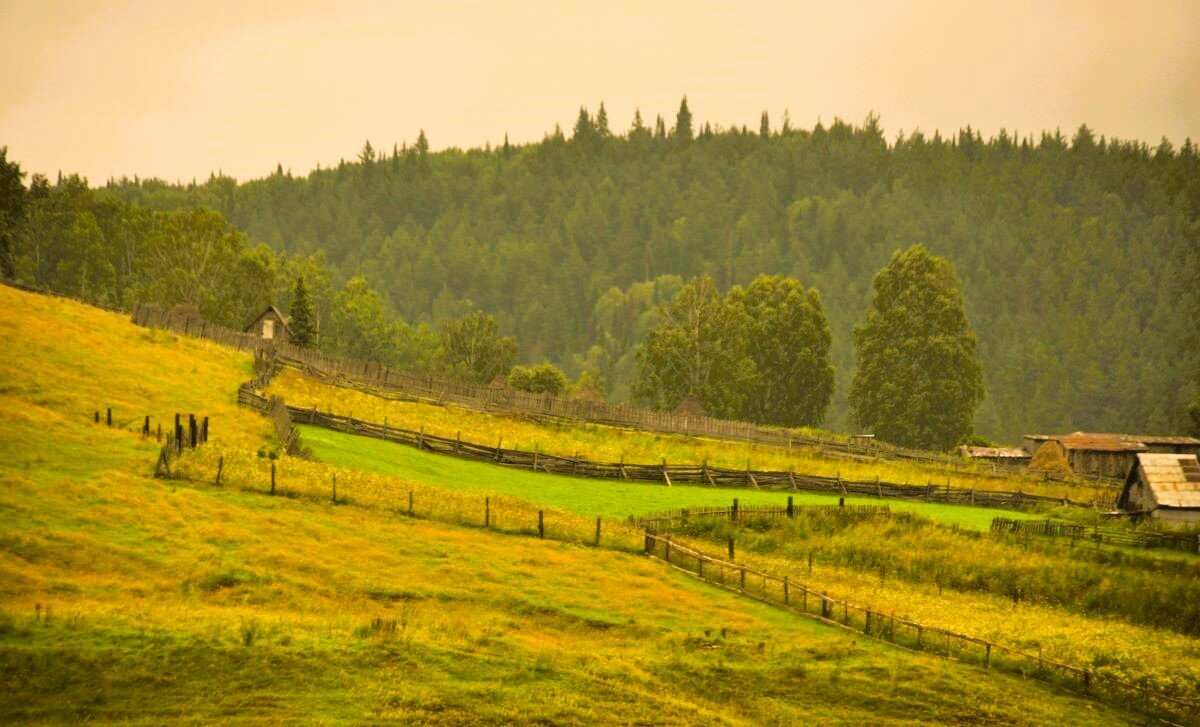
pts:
pixel 270 325
pixel 996 455
pixel 1110 455
pixel 1165 487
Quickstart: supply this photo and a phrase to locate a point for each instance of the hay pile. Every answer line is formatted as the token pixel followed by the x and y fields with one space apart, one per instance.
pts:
pixel 1050 457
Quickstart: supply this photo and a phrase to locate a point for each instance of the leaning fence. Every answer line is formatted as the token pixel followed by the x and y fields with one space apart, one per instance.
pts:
pixel 912 634
pixel 372 377
pixel 663 473
pixel 1097 534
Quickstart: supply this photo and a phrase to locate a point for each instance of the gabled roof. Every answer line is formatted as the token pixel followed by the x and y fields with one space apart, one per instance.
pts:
pixel 1173 478
pixel 277 313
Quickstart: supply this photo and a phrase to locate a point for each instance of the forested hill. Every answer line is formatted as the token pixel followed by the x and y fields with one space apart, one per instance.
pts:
pixel 1074 254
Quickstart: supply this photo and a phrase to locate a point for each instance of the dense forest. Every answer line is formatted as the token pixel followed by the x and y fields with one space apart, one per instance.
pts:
pixel 1078 256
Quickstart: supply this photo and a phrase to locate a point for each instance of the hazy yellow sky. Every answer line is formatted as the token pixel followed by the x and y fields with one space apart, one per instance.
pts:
pixel 179 89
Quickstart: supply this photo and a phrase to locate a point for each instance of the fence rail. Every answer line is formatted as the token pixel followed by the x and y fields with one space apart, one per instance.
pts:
pixel 737 513
pixel 380 380
pixel 667 474
pixel 912 634
pixel 1112 536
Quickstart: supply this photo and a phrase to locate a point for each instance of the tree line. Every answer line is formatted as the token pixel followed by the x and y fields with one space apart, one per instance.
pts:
pixel 1077 255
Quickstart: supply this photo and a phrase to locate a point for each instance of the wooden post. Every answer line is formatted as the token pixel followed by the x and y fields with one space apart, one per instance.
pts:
pixel 335 488
pixel 421 438
pixel 109 416
pixel 220 466
pixel 810 553
pixel 204 431
pixel 97 417
pixel 499 450
pixel 410 502
pixel 733 513
pixel 791 510
pixel 458 441
pixel 920 633
pixel 841 502
pixel 536 447
pixel 731 549
pixel 742 572
pixel 867 627
pixel 542 526
pixel 146 426
pixel 158 437
pixel 668 550
pixel 272 477
pixel 792 477
pixel 987 656
pixel 787 601
pixel 192 433
pixel 487 512
pixel 666 477
pixel 597 531
pixel 700 567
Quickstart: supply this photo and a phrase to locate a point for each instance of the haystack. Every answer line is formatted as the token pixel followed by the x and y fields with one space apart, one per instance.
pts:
pixel 1051 457
pixel 690 407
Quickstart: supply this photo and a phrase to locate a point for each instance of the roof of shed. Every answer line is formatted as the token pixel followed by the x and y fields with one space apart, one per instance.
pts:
pixel 1173 478
pixel 278 314
pixel 993 452
pixel 1097 442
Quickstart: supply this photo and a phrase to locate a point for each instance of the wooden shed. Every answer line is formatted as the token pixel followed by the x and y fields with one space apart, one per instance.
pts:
pixel 1110 455
pixel 1165 487
pixel 271 325
pixel 998 455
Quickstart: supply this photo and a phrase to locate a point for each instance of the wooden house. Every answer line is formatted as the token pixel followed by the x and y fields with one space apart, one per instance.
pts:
pixel 1165 487
pixel 271 325
pixel 1110 455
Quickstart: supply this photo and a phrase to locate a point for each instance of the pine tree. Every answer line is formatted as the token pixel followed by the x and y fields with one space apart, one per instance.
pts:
pixel 683 122
pixel 764 126
pixel 918 380
pixel 12 209
pixel 301 324
pixel 602 129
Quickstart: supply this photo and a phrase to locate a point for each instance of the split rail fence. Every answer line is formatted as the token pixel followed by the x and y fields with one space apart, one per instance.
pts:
pixel 380 380
pixel 1112 536
pixel 912 634
pixel 664 473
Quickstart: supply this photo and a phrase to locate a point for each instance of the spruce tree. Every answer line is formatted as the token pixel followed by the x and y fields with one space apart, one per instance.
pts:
pixel 683 122
pixel 918 380
pixel 301 324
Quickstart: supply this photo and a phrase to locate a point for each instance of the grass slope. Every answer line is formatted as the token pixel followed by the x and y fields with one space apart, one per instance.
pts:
pixel 609 498
pixel 124 598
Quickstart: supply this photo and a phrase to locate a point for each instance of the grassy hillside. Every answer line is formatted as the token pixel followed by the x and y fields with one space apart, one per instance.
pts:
pixel 126 598
pixel 609 444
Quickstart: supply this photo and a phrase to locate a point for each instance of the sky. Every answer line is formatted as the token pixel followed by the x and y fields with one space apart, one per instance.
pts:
pixel 179 90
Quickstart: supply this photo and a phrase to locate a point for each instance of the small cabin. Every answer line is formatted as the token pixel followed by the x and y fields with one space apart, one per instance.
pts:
pixel 1165 487
pixel 271 325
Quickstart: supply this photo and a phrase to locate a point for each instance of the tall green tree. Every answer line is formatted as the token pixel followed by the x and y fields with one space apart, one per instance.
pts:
pixel 918 380
pixel 12 210
pixel 696 350
pixel 787 337
pixel 304 333
pixel 473 348
pixel 683 122
pixel 544 378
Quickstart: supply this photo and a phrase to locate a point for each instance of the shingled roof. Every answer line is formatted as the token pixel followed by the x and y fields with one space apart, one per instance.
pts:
pixel 1173 478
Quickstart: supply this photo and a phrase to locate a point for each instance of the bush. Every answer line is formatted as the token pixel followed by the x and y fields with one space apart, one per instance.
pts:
pixel 545 378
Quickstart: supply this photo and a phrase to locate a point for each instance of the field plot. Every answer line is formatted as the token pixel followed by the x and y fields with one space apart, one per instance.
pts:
pixel 609 444
pixel 589 497
pixel 132 599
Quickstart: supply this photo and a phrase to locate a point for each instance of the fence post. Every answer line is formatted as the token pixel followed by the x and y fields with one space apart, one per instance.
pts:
pixel 335 488
pixel 272 477
pixel 192 430
pixel 146 426
pixel 731 548
pixel 791 510
pixel 668 549
pixel 733 513
pixel 109 416
pixel 597 531
pixel 220 466
pixel 487 512
pixel 410 502
pixel 787 601
pixel 742 572
pixel 542 526
pixel 204 431
pixel 158 437
pixel 97 417
pixel 987 656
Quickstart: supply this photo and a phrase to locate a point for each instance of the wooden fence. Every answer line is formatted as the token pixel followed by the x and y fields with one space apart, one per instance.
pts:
pixel 657 521
pixel 664 473
pixel 888 627
pixel 380 380
pixel 1096 534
